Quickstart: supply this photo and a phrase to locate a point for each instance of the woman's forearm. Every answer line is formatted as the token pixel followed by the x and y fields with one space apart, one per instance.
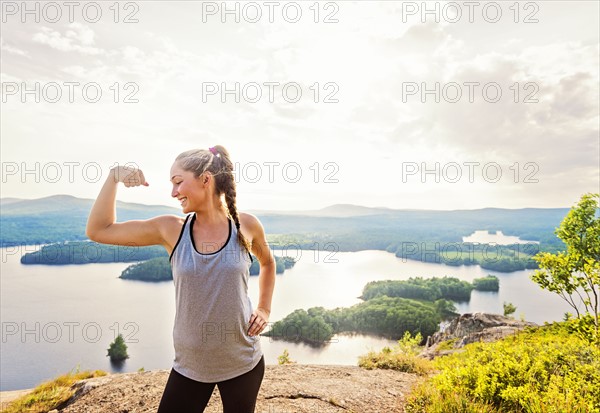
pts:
pixel 103 212
pixel 266 284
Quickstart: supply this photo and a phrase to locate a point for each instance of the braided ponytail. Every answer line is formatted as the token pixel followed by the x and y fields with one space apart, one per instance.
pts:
pixel 225 184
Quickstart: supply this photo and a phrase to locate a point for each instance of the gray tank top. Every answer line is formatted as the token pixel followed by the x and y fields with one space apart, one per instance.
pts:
pixel 213 309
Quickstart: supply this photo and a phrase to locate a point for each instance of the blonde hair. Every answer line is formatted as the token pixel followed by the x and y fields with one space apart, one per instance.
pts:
pixel 220 166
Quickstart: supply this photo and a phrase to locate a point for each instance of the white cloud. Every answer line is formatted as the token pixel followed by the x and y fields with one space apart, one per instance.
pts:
pixel 79 38
pixel 369 54
pixel 11 49
pixel 5 78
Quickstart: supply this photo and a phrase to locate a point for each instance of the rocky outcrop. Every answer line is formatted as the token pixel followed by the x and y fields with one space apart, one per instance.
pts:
pixel 297 388
pixel 471 328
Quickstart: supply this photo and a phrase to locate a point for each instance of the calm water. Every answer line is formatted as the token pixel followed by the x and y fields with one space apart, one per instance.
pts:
pixel 484 237
pixel 57 318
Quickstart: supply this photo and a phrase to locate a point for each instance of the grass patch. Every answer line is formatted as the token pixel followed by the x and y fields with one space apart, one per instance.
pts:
pixel 402 357
pixel 51 394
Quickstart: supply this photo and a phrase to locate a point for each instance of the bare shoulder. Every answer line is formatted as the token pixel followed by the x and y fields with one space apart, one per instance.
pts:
pixel 249 219
pixel 168 222
pixel 170 219
pixel 170 227
pixel 253 230
pixel 251 225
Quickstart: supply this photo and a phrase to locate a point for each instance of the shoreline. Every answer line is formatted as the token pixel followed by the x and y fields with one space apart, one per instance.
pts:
pixel 7 396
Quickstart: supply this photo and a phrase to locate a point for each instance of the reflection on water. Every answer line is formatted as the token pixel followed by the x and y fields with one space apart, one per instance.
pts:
pixel 343 348
pixel 55 318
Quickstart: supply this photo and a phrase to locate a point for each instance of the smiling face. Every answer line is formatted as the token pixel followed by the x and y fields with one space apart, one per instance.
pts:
pixel 189 190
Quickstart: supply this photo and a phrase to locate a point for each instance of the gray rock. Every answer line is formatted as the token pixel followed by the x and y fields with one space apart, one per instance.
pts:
pixel 471 328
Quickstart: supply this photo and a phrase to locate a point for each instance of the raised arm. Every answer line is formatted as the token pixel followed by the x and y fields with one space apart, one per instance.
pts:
pixel 101 226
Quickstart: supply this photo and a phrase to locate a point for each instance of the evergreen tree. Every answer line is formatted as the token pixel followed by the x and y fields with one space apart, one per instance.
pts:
pixel 118 349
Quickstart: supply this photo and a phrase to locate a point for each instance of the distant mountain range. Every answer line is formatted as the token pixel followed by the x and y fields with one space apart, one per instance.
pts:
pixel 63 203
pixel 55 203
pixel 64 217
pixel 337 210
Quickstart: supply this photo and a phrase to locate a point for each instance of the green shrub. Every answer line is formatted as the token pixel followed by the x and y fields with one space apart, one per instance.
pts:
pixel 447 345
pixel 509 308
pixel 118 349
pixel 426 398
pixel 584 327
pixel 540 370
pixel 402 357
pixel 284 358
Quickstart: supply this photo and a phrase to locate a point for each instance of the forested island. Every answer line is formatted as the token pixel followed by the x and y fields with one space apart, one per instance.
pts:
pixel 429 289
pixel 501 258
pixel 159 269
pixel 390 308
pixel 88 252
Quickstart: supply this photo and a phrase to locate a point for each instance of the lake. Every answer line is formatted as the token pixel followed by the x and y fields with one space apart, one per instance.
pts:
pixel 485 237
pixel 56 318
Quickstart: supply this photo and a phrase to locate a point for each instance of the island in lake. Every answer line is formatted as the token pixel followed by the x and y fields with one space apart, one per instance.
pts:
pixel 390 308
pixel 159 269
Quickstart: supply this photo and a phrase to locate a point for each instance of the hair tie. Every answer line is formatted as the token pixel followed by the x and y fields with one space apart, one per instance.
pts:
pixel 214 151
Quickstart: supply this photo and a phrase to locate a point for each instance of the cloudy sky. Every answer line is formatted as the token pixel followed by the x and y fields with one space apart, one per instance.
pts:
pixel 377 103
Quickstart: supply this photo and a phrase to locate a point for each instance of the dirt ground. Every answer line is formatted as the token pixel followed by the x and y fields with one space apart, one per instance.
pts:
pixel 297 388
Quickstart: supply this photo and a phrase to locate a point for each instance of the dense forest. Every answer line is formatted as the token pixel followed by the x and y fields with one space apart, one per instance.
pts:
pixel 390 308
pixel 489 283
pixel 428 289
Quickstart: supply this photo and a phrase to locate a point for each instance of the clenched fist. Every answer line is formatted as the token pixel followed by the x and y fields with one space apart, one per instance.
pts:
pixel 129 175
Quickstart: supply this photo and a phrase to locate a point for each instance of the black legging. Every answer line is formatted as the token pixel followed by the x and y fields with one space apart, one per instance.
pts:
pixel 238 395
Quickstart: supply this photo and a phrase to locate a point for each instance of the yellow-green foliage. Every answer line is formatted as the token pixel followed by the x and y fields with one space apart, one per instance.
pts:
pixel 540 370
pixel 447 345
pixel 50 394
pixel 285 357
pixel 402 357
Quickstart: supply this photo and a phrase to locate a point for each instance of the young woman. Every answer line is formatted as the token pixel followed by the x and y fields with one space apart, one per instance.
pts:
pixel 215 334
